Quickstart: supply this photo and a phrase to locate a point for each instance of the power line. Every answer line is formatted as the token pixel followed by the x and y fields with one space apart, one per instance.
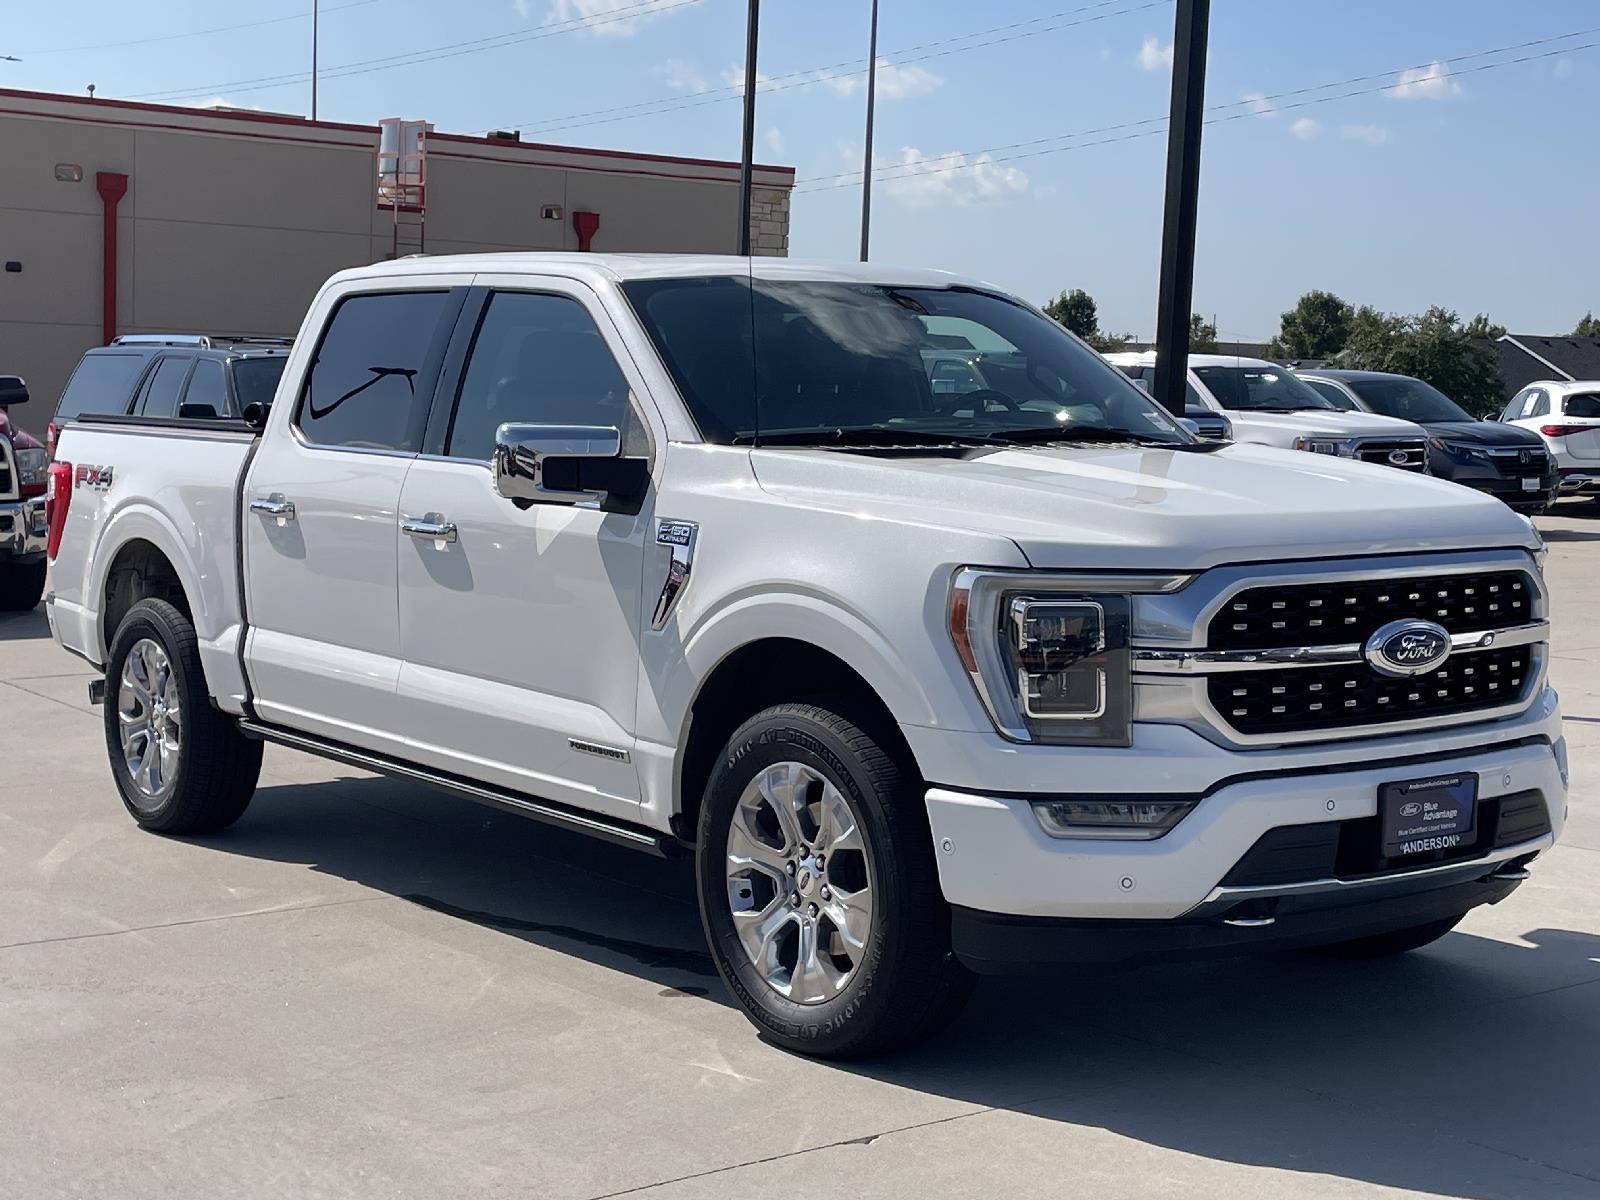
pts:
pixel 815 75
pixel 427 54
pixel 193 33
pixel 852 178
pixel 735 90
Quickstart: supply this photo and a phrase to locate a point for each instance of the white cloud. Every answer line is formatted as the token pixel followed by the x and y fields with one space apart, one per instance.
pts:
pixel 1432 82
pixel 775 140
pixel 1153 56
pixel 1258 103
pixel 521 7
pixel 894 81
pixel 681 75
pixel 1373 135
pixel 951 178
pixel 1305 129
pixel 600 16
pixel 734 78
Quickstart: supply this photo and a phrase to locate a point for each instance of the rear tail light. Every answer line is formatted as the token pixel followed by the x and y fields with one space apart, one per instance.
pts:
pixel 1565 430
pixel 57 500
pixel 52 435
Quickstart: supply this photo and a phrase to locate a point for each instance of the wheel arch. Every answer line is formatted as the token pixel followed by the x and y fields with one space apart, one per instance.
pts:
pixel 145 545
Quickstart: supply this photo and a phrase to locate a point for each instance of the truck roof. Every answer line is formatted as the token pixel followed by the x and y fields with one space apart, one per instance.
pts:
pixel 621 267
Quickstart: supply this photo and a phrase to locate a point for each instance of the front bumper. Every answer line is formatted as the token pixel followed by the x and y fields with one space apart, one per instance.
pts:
pixel 994 857
pixel 22 528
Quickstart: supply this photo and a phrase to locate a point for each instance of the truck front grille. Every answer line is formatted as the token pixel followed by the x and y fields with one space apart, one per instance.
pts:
pixel 1328 614
pixel 1409 454
pixel 1308 698
pixel 8 471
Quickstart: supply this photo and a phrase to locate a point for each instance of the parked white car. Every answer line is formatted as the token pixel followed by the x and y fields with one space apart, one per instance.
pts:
pixel 1566 415
pixel 691 554
pixel 1269 405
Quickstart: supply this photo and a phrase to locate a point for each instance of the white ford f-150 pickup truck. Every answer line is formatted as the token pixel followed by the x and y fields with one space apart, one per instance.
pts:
pixel 688 553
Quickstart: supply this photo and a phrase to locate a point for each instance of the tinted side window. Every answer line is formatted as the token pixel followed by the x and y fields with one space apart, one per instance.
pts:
pixel 161 396
pixel 103 383
pixel 1586 405
pixel 1514 409
pixel 371 379
pixel 538 359
pixel 207 386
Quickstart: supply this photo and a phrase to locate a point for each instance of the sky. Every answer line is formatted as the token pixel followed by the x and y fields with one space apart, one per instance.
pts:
pixel 1020 142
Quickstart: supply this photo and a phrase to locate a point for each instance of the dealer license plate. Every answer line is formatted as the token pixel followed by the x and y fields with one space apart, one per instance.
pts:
pixel 1423 815
pixel 1530 484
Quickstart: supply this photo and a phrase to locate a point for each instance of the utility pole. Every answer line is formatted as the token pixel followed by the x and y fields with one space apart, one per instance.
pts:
pixel 314 7
pixel 1175 292
pixel 866 167
pixel 747 153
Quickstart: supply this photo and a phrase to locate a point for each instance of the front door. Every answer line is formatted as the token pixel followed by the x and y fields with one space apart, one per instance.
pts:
pixel 520 629
pixel 320 527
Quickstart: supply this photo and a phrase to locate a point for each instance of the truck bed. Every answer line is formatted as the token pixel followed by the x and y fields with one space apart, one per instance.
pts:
pixel 176 486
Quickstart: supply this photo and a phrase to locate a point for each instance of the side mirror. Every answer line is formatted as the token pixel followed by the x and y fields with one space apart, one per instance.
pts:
pixel 1212 427
pixel 1142 384
pixel 13 390
pixel 565 464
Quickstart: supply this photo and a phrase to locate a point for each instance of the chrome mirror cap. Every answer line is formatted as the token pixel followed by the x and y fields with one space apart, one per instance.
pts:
pixel 523 452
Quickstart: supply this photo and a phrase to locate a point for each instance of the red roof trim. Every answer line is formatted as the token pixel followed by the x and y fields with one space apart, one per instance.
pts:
pixel 369 130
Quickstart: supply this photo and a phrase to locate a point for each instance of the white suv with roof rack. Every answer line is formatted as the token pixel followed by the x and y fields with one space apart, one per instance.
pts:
pixel 1269 405
pixel 698 556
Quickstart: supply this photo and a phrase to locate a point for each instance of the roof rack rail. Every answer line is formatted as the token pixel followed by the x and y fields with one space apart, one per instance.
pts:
pixel 162 339
pixel 250 339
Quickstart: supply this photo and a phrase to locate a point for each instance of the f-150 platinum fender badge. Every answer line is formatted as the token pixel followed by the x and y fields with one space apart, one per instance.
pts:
pixel 681 537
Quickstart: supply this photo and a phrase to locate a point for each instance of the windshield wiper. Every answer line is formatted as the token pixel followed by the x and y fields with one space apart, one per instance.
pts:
pixel 875 436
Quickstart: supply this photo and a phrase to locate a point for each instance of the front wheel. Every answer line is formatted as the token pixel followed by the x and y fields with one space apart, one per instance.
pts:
pixel 181 766
pixel 818 890
pixel 21 585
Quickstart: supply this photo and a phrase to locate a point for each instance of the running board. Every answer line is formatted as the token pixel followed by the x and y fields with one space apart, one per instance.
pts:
pixel 635 837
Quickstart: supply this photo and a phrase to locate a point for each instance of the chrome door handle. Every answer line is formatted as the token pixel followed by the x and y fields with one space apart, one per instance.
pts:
pixel 429 531
pixel 273 506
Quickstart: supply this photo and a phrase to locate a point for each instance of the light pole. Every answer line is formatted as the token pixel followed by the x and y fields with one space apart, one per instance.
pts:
pixel 314 6
pixel 1175 291
pixel 747 152
pixel 866 167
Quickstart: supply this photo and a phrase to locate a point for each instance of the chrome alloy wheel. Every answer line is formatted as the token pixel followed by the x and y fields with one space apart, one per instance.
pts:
pixel 150 717
pixel 799 882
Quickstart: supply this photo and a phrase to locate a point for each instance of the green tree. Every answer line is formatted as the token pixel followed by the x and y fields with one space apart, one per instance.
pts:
pixel 1588 326
pixel 1435 347
pixel 1202 334
pixel 1316 327
pixel 1481 327
pixel 1077 311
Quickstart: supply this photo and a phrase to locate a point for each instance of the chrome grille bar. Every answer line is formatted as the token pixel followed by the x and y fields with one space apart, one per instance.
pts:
pixel 1150 661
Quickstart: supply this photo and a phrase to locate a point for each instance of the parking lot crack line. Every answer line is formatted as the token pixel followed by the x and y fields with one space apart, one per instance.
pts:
pixel 41 696
pixel 254 912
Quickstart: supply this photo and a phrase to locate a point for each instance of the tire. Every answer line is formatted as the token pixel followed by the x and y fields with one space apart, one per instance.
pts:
pixel 1396 941
pixel 899 984
pixel 195 773
pixel 21 585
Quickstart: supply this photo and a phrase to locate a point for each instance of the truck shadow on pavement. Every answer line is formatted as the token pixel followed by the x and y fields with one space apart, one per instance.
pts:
pixel 1469 1069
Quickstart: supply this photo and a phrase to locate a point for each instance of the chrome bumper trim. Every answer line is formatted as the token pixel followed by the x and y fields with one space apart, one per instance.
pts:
pixel 1440 874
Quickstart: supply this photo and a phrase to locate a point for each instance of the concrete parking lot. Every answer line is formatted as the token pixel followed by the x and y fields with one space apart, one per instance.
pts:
pixel 365 989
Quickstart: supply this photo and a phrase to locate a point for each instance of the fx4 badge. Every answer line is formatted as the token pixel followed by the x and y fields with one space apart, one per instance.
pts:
pixel 84 475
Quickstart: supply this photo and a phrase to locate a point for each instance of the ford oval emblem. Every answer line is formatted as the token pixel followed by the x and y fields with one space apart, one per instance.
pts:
pixel 1410 808
pixel 1399 458
pixel 1404 648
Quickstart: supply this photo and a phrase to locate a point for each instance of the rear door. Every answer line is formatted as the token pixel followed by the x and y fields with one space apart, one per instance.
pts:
pixel 320 528
pixel 520 637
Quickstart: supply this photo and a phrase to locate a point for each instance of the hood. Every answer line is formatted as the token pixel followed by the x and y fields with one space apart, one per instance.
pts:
pixel 1152 509
pixel 21 439
pixel 1485 433
pixel 1326 420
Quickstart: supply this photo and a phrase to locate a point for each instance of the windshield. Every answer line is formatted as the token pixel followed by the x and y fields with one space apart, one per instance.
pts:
pixel 1408 399
pixel 256 379
pixel 1261 389
pixel 820 363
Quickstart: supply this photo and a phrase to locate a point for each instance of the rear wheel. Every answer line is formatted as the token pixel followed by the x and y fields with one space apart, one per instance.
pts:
pixel 181 766
pixel 1396 941
pixel 21 585
pixel 818 890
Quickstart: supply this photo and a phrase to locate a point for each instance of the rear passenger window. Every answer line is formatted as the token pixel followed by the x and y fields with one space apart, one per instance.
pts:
pixel 161 393
pixel 1586 406
pixel 102 384
pixel 538 359
pixel 207 388
pixel 371 382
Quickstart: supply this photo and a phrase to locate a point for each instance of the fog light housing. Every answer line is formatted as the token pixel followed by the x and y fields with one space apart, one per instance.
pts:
pixel 1127 820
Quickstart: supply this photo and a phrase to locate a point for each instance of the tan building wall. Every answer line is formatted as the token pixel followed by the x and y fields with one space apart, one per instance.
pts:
pixel 232 221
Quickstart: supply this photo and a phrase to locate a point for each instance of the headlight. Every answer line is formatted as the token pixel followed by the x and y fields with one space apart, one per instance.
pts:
pixel 1459 449
pixel 1048 654
pixel 1322 444
pixel 33 467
